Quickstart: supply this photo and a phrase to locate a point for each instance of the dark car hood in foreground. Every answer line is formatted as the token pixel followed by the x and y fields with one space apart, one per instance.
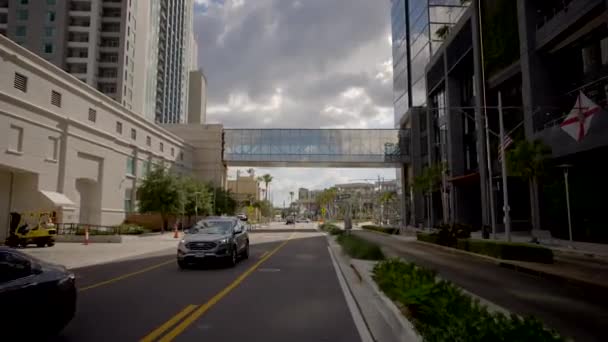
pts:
pixel 205 237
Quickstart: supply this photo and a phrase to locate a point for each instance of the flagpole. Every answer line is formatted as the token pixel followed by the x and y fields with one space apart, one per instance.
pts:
pixel 505 192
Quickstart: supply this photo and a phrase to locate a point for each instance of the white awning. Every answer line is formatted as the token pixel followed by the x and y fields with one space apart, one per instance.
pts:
pixel 57 199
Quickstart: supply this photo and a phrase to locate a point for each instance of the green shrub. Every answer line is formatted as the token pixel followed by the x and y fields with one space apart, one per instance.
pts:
pixel 450 233
pixel 130 229
pixel 441 312
pixel 331 229
pixel 426 237
pixel 359 248
pixel 507 250
pixel 385 230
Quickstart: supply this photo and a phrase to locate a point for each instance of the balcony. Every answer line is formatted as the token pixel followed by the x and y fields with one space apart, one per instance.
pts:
pixel 555 16
pixel 110 27
pixel 80 6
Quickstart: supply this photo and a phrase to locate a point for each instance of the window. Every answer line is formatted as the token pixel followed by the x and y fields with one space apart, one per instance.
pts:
pixel 172 152
pixel 128 202
pixel 181 156
pixel 48 48
pixel 130 166
pixel 92 115
pixel 21 31
pixel 13 267
pixel 161 146
pixel 22 14
pixel 148 141
pixel 145 168
pixel 20 82
pixel 55 98
pixel 50 2
pixel 133 134
pixel 53 149
pixel 15 139
pixel 50 16
pixel 118 127
pixel 49 31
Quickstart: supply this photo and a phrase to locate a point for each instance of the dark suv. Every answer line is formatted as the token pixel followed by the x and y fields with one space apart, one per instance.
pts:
pixel 214 238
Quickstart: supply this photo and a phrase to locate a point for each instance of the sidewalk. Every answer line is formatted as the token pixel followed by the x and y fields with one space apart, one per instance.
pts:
pixel 578 270
pixel 588 249
pixel 74 255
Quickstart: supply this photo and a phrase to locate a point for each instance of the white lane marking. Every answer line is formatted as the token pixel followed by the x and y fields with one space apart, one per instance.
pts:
pixel 362 328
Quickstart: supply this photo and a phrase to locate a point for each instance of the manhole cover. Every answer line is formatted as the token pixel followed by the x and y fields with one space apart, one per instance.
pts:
pixel 269 270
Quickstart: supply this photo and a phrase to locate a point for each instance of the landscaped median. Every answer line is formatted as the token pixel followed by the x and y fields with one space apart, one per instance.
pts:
pixel 385 230
pixel 440 311
pixel 495 249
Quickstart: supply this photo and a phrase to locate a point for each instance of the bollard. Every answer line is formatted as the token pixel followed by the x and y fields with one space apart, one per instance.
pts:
pixel 86 235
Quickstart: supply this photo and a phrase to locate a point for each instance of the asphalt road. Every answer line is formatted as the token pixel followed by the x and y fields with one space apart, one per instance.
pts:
pixel 286 291
pixel 572 311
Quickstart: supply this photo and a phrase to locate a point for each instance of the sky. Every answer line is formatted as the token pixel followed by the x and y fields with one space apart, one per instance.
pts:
pixel 298 64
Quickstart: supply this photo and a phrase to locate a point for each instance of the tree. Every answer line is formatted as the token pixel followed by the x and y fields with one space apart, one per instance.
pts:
pixel 197 197
pixel 224 203
pixel 428 182
pixel 265 208
pixel 443 31
pixel 160 192
pixel 267 178
pixel 527 160
pixel 325 200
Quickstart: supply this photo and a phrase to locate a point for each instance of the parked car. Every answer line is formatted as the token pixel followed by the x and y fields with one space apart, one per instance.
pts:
pixel 38 298
pixel 290 220
pixel 214 238
pixel 242 217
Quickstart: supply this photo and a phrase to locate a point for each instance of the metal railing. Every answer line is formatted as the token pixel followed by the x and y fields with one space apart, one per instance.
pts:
pixel 80 229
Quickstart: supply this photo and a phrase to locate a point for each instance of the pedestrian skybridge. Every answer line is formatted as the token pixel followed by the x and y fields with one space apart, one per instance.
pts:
pixel 316 147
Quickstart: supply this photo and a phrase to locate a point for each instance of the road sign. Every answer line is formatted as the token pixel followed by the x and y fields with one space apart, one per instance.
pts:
pixel 343 197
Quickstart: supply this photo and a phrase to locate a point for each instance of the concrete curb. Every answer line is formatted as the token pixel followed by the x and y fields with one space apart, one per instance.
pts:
pixel 523 268
pixel 382 317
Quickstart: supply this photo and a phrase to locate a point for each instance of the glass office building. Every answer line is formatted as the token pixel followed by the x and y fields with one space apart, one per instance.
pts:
pixel 316 147
pixel 418 30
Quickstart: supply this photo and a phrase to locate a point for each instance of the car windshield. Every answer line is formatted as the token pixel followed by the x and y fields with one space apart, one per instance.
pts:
pixel 212 227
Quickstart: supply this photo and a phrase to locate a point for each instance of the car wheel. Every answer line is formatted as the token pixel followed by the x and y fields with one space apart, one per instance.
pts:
pixel 23 243
pixel 246 251
pixel 182 264
pixel 233 257
pixel 50 243
pixel 40 243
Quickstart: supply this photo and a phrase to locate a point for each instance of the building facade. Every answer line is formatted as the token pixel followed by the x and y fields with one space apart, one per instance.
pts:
pixel 244 188
pixel 92 40
pixel 72 150
pixel 517 50
pixel 175 60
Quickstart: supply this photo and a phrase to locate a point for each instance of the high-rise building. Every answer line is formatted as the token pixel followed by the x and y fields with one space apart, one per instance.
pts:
pixel 92 40
pixel 139 53
pixel 418 28
pixel 174 60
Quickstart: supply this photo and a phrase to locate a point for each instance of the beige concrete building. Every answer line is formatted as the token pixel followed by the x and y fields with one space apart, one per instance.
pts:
pixel 69 148
pixel 244 187
pixel 197 98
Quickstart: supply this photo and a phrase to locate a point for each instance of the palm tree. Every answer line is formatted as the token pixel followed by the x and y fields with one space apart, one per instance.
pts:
pixel 527 161
pixel 267 178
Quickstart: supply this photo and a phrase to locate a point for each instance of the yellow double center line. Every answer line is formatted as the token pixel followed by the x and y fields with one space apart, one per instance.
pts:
pixel 192 312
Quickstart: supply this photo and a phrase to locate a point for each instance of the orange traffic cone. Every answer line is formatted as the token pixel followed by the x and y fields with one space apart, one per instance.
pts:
pixel 176 233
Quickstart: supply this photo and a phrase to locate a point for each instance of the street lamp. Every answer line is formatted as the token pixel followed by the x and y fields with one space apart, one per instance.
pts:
pixel 566 167
pixel 196 205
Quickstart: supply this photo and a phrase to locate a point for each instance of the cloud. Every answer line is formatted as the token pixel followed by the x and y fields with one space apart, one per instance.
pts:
pixel 296 64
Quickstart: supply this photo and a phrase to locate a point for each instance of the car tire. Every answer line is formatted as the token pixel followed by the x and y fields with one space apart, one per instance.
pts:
pixel 40 244
pixel 246 251
pixel 23 243
pixel 182 264
pixel 232 259
pixel 50 243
